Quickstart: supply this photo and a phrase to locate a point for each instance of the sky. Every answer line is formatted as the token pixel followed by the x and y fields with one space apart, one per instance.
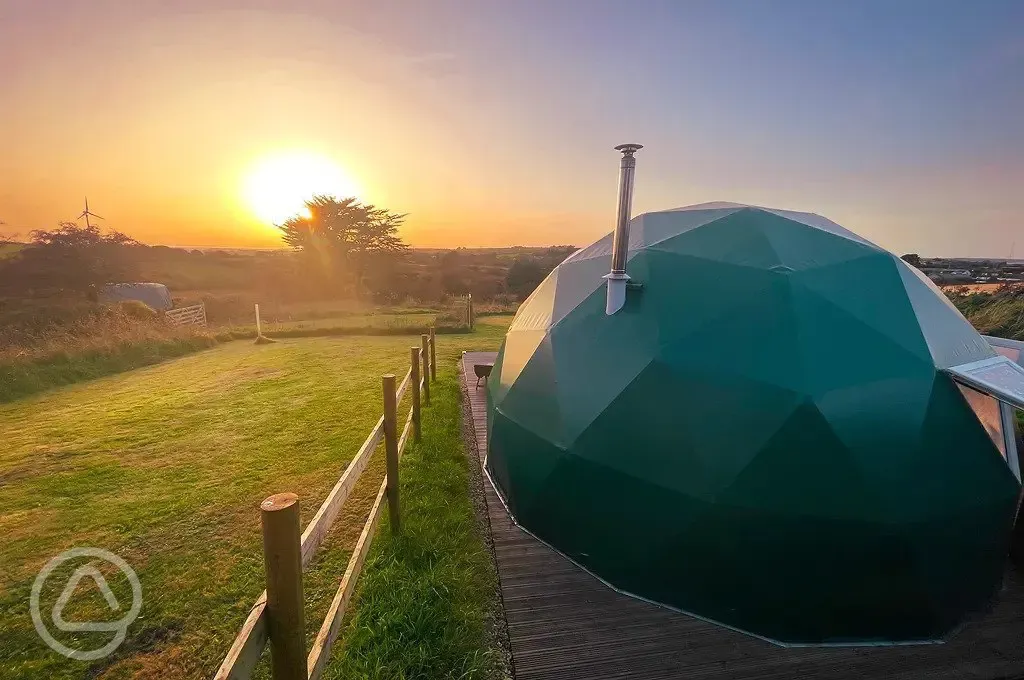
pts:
pixel 492 122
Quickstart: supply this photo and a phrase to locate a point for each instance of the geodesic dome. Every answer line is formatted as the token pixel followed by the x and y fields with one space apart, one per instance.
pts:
pixel 762 436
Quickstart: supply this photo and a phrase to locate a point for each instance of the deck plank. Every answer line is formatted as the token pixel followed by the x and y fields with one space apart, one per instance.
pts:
pixel 563 623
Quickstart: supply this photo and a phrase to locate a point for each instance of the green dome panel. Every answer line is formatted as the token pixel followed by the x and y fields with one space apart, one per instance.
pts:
pixel 762 436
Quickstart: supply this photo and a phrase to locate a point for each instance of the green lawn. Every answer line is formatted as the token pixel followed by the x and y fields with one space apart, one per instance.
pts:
pixel 166 466
pixel 426 596
pixel 382 321
pixel 22 375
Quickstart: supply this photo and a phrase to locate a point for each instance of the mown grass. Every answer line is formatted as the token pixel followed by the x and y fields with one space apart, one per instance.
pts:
pixel 396 320
pixel 412 323
pixel 426 597
pixel 166 466
pixel 115 344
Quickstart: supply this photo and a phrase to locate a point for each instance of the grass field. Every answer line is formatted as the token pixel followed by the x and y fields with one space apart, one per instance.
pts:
pixel 360 320
pixel 999 313
pixel 384 322
pixel 427 596
pixel 166 466
pixel 7 248
pixel 114 342
pixel 20 378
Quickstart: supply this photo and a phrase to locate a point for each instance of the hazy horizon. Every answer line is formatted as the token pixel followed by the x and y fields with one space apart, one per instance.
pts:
pixel 492 123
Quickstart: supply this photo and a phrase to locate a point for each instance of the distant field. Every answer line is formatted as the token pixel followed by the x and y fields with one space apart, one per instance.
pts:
pixel 498 320
pixel 383 321
pixel 166 466
pixel 974 287
pixel 8 249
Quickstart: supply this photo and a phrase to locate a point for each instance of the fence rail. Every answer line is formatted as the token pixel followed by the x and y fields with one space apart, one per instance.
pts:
pixel 183 316
pixel 251 640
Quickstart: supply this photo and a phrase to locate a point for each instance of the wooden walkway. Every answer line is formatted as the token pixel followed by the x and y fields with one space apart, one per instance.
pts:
pixel 563 623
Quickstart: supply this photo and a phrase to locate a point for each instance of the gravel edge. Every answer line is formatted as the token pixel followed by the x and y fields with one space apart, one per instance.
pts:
pixel 497 626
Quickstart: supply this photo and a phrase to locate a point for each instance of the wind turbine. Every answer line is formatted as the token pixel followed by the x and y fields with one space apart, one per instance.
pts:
pixel 86 214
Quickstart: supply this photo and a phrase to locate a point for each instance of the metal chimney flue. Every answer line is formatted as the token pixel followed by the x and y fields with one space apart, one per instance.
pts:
pixel 617 277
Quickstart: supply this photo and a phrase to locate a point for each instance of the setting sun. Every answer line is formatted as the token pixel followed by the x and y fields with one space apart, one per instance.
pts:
pixel 277 187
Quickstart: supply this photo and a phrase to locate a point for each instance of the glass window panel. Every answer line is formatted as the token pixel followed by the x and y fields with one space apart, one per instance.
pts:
pixel 1008 352
pixel 987 410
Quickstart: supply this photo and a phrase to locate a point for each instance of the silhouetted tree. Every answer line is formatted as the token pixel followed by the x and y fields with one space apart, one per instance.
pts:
pixel 344 236
pixel 524 275
pixel 912 259
pixel 68 259
pixel 454 273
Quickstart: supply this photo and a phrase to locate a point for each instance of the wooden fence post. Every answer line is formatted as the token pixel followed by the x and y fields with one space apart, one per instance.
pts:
pixel 259 331
pixel 433 355
pixel 391 449
pixel 425 351
pixel 414 361
pixel 469 310
pixel 282 558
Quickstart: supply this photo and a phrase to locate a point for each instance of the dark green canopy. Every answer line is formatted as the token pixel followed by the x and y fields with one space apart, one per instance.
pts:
pixel 762 436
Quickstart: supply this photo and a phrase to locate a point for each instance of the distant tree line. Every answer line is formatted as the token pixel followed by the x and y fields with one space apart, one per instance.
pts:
pixel 341 249
pixel 912 259
pixel 356 250
pixel 68 261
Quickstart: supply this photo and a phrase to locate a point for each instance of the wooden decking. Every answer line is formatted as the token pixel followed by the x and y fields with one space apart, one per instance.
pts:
pixel 563 623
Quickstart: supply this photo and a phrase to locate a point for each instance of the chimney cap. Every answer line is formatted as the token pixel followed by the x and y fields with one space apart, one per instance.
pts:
pixel 629 148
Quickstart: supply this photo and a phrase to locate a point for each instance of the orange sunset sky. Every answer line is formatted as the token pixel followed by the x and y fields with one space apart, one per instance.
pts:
pixel 491 123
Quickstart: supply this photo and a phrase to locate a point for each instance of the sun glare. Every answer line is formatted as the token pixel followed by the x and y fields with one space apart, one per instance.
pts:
pixel 277 187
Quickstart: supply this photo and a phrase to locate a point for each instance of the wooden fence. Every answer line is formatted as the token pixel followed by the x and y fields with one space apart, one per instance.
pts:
pixel 182 316
pixel 279 617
